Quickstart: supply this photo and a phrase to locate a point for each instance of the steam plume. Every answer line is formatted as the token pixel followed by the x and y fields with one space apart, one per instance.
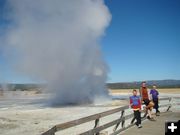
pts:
pixel 58 41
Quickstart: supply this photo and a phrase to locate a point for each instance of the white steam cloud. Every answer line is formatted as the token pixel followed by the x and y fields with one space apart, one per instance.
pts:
pixel 57 41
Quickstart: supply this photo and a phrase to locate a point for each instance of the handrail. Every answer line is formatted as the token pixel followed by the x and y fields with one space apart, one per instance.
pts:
pixel 89 118
pixel 84 120
pixel 96 117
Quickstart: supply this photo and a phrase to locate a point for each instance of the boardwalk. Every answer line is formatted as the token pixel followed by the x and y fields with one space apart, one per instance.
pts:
pixel 153 127
pixel 123 121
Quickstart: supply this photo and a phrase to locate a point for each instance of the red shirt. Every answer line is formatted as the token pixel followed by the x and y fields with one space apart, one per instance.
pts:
pixel 144 93
pixel 135 102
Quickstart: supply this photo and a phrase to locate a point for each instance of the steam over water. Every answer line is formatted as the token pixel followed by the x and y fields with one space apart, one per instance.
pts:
pixel 58 41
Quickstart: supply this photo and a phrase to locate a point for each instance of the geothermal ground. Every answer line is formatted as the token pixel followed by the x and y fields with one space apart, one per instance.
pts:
pixel 27 112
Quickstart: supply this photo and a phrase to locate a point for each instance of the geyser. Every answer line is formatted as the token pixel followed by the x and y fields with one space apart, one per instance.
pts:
pixel 58 41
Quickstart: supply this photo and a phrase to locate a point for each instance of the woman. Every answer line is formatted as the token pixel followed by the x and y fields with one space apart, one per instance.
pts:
pixel 145 99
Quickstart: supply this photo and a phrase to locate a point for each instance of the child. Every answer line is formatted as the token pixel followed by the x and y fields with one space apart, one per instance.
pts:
pixel 135 102
pixel 155 98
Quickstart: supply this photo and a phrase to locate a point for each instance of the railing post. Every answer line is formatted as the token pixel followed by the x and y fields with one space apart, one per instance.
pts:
pixel 96 125
pixel 51 131
pixel 121 118
pixel 123 121
pixel 145 114
pixel 169 104
pixel 132 121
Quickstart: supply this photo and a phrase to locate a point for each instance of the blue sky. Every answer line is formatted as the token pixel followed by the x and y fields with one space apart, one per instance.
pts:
pixel 143 40
pixel 141 43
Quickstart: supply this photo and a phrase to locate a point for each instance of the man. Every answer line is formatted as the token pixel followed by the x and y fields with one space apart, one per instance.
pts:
pixel 145 99
pixel 135 102
pixel 155 98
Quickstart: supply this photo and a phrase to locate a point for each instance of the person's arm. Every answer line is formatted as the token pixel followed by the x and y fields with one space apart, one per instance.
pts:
pixel 158 96
pixel 150 95
pixel 140 92
pixel 139 102
pixel 148 92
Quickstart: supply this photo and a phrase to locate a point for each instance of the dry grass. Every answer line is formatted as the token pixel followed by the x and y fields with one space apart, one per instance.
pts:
pixel 166 90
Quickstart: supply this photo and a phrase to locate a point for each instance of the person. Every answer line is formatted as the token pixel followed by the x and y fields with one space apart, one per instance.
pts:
pixel 144 93
pixel 145 99
pixel 155 98
pixel 135 103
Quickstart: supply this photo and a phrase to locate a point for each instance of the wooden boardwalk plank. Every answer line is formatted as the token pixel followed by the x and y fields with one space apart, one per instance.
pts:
pixel 153 127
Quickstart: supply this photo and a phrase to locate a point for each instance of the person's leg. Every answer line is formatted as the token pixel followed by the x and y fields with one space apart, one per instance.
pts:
pixel 155 105
pixel 149 113
pixel 146 107
pixel 136 117
pixel 139 118
pixel 158 106
pixel 150 117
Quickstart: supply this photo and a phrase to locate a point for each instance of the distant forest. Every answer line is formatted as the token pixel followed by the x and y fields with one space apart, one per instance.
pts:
pixel 120 85
pixel 21 87
pixel 135 85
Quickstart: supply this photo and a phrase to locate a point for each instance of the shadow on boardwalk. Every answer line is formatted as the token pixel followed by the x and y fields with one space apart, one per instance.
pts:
pixel 153 127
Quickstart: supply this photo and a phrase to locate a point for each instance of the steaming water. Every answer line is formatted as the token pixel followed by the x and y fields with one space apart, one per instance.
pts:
pixel 57 41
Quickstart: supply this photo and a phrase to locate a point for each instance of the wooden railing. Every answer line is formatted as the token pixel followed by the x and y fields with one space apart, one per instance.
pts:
pixel 96 117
